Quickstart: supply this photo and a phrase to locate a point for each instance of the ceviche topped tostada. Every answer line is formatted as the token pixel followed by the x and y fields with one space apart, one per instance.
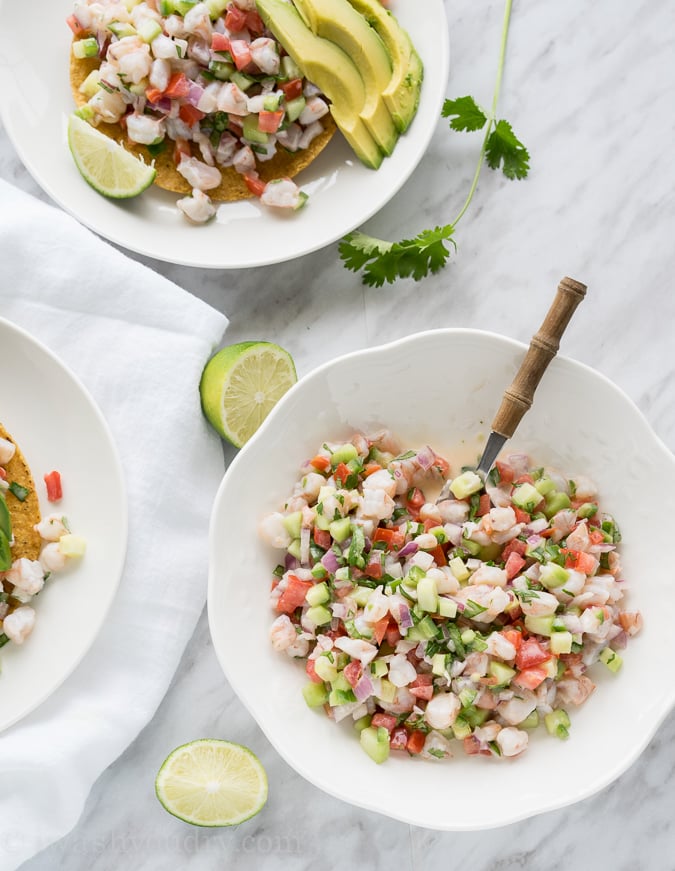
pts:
pixel 32 548
pixel 471 618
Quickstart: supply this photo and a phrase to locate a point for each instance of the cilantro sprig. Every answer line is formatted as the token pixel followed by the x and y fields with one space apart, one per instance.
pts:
pixel 382 261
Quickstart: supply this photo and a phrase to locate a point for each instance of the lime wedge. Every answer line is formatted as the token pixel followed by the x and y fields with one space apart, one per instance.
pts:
pixel 105 164
pixel 212 783
pixel 240 386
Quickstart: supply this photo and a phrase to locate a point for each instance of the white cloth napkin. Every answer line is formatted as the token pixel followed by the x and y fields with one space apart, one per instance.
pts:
pixel 139 344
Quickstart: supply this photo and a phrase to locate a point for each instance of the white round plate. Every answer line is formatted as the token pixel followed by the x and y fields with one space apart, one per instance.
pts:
pixel 57 426
pixel 35 101
pixel 442 388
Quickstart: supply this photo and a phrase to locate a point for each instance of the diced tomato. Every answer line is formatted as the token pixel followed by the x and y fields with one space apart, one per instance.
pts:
pixel 425 693
pixel 416 741
pixel 531 653
pixel 530 678
pixel 178 86
pixel 423 680
pixel 515 637
pixel 341 473
pixel 336 633
pixel 514 546
pixel 547 533
pixel 514 564
pixel 292 89
pixel 596 537
pixel 190 114
pixel 75 25
pixel 373 567
pixel 483 505
pixel 580 561
pixel 505 472
pixel 322 538
pixel 431 524
pixel 415 499
pixel 352 672
pixel 391 537
pixel 471 746
pixel 235 18
pixel 269 122
pixel 311 671
pixel 392 634
pixel 521 516
pixel 220 42
pixel 524 479
pixel 439 555
pixel 255 185
pixel 54 488
pixel 181 149
pixel 320 463
pixel 387 721
pixel 3 474
pixel 380 629
pixel 254 22
pixel 370 469
pixel 241 53
pixel 399 738
pixel 153 95
pixel 294 594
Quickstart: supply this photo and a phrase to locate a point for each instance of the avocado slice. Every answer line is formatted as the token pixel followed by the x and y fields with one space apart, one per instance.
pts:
pixel 402 95
pixel 339 22
pixel 331 70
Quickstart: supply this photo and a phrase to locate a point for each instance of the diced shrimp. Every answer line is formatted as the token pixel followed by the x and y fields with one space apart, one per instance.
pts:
pixel 403 701
pixel 232 100
pixel 488 732
pixel 452 511
pixel 357 649
pixel 18 625
pixel 135 66
pixel 585 489
pixel 265 55
pixel 145 129
pixel 518 708
pixel 361 444
pixel 198 208
pixel 385 440
pixel 442 710
pixel 126 45
pixel 52 527
pixel 52 558
pixel 381 480
pixel 512 741
pixel 7 451
pixel 540 605
pixel 26 575
pixel 197 20
pixel 273 531
pixel 164 48
pixel 282 193
pixel 614 561
pixel 401 671
pixel 175 26
pixel 282 633
pixel 493 599
pixel 501 519
pixel 574 691
pixel 160 73
pixel 429 511
pixel 311 485
pixel 315 108
pixel 563 523
pixel 376 607
pixel 436 746
pixel 631 621
pixel 490 575
pixel 376 504
pixel 498 645
pixel 244 160
pixel 579 540
pixel 199 175
pixel 446 582
pixel 476 663
pixel 108 106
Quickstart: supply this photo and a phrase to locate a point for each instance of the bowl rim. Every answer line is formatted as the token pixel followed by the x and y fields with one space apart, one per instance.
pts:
pixel 513 816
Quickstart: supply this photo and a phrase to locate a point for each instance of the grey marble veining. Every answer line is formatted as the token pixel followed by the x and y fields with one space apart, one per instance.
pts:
pixel 589 88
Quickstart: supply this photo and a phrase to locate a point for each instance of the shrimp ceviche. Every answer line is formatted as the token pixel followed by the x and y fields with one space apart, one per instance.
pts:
pixel 473 618
pixel 31 547
pixel 206 80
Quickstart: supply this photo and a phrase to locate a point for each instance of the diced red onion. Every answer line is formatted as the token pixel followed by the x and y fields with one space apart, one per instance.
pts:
pixel 405 617
pixel 291 563
pixel 534 540
pixel 330 562
pixel 194 94
pixel 536 526
pixel 408 549
pixel 339 610
pixel 602 548
pixel 520 463
pixel 620 640
pixel 363 688
pixel 425 458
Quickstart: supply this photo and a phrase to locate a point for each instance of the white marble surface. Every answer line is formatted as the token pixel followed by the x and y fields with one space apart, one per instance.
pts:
pixel 589 88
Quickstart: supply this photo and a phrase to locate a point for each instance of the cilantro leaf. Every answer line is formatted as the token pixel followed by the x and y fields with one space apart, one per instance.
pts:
pixel 503 147
pixel 387 261
pixel 465 113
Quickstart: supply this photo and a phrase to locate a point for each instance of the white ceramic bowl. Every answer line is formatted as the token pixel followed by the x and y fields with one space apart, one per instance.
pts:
pixel 580 423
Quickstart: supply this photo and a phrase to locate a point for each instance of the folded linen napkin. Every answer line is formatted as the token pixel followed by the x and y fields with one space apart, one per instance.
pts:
pixel 138 343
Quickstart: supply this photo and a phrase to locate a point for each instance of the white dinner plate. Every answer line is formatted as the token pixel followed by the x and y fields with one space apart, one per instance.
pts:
pixel 35 101
pixel 57 426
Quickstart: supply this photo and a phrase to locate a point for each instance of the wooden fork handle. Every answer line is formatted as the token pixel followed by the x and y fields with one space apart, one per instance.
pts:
pixel 543 348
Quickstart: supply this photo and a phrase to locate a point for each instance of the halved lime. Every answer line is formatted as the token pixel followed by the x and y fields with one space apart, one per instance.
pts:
pixel 108 167
pixel 240 386
pixel 210 782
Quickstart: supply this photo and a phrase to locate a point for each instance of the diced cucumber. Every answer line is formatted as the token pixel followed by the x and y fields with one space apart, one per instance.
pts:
pixel 341 697
pixel 91 84
pixel 415 575
pixel 423 631
pixel 221 69
pixel 467 636
pixel 475 716
pixel 459 569
pixel 72 545
pixel 294 548
pixel 319 615
pixel 465 485
pixel 387 690
pixel 319 594
pixel 588 509
pixel 361 595
pixel 252 132
pixel 86 113
pixel 531 721
pixel 552 575
pixel 539 625
pixel 490 551
pixel 149 30
pixel 295 108
pixel 319 571
pixel 427 595
pixel 500 672
pixel 271 102
pixel 461 729
pixel 325 669
pixel 343 454
pixel 611 659
pixel 183 6
pixel 561 642
pixel 438 664
pixel 293 523
pixel 289 68
pixel 376 743
pixel 216 7
pixel 341 529
pixel 242 81
pixel 467 696
pixel 526 496
pixel 558 723
pixel 315 694
pixel 378 668
pixel 362 723
pixel 550 665
pixel 446 607
pixel 472 546
pixel 555 502
pixel 121 29
pixel 343 574
pixel 439 534
pixel 85 48
pixel 322 522
pixel 545 486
